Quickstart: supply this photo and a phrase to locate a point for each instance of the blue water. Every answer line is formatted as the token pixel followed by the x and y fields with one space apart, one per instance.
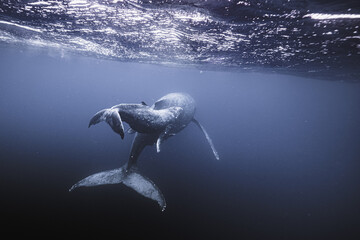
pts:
pixel 289 150
pixel 276 88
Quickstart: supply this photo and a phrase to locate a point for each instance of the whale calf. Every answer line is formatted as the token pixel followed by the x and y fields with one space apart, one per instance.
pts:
pixel 152 125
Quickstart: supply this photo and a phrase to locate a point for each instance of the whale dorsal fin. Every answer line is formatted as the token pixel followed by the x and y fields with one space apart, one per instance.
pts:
pixel 143 103
pixel 207 138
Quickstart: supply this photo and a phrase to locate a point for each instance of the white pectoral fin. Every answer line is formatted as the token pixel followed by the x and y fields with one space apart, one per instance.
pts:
pixel 158 142
pixel 130 178
pixel 165 134
pixel 112 117
pixel 207 138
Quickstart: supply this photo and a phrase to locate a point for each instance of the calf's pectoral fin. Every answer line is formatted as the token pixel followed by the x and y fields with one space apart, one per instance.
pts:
pixel 207 138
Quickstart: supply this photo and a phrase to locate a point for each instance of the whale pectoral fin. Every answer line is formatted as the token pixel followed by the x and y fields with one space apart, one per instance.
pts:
pixel 158 142
pixel 130 178
pixel 207 138
pixel 112 117
pixel 165 134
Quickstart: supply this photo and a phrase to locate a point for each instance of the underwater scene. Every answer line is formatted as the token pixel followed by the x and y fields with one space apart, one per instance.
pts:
pixel 180 119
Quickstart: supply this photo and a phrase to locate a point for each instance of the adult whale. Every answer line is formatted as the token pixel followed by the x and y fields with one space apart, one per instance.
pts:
pixel 152 124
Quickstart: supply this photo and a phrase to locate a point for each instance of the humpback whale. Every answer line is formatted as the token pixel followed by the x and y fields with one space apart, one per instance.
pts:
pixel 152 125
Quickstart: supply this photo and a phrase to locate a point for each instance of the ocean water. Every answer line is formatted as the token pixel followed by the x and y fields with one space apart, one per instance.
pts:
pixel 288 136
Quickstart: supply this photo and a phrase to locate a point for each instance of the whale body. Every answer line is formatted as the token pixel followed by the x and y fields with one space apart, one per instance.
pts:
pixel 152 125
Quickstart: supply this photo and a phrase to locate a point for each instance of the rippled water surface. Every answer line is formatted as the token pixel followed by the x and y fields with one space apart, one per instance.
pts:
pixel 317 39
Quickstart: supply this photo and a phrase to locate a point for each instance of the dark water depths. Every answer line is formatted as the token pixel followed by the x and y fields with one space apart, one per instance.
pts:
pixel 289 149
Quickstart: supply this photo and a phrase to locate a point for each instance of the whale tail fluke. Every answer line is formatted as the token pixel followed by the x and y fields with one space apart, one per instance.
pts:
pixel 130 178
pixel 112 117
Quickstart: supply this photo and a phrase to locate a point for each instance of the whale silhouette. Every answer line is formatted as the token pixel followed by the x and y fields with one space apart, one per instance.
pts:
pixel 152 125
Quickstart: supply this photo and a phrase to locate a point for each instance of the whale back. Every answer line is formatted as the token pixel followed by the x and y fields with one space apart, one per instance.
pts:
pixel 183 100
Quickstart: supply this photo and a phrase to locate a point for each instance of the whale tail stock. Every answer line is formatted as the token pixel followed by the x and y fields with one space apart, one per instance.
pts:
pixel 130 178
pixel 112 117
